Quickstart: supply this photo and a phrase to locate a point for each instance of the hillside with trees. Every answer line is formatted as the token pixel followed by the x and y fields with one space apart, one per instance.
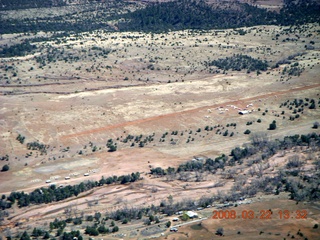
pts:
pixel 155 17
pixel 186 14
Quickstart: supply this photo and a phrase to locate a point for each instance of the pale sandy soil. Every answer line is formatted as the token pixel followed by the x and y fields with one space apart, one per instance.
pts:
pixel 68 113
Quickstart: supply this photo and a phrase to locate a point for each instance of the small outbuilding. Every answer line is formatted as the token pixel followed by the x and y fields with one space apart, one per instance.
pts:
pixel 243 112
pixel 192 214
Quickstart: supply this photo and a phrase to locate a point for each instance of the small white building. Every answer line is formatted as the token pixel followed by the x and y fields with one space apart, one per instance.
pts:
pixel 243 112
pixel 192 214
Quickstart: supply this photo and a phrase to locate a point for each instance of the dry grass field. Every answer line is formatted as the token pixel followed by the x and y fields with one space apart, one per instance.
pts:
pixel 74 93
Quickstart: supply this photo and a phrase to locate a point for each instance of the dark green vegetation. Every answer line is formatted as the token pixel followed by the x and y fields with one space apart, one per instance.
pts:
pixel 5 168
pixel 293 70
pixel 17 50
pixel 298 13
pixel 55 194
pixel 186 14
pixel 238 62
pixel 158 17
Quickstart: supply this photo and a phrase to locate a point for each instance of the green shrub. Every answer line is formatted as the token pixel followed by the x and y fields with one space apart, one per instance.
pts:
pixel 272 125
pixel 247 131
pixel 5 168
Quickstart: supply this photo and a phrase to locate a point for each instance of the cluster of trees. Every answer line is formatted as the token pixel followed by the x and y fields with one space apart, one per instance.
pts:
pixel 298 12
pixel 37 146
pixel 192 166
pixel 111 145
pixel 4 158
pixel 302 188
pixel 21 138
pixel 37 233
pixel 238 62
pixel 20 49
pixel 267 148
pixel 4 204
pixel 54 194
pixel 293 70
pixel 299 104
pixel 102 229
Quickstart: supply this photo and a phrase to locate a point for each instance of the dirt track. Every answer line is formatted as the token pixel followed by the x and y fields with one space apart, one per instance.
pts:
pixel 136 122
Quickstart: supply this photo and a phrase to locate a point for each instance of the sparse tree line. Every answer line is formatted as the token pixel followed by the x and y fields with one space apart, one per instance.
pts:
pixel 144 140
pixel 259 144
pixel 55 194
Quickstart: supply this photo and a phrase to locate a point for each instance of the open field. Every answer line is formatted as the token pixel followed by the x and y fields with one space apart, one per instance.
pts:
pixel 107 104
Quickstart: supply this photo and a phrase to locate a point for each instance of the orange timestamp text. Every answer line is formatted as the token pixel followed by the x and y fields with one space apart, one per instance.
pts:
pixel 262 214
